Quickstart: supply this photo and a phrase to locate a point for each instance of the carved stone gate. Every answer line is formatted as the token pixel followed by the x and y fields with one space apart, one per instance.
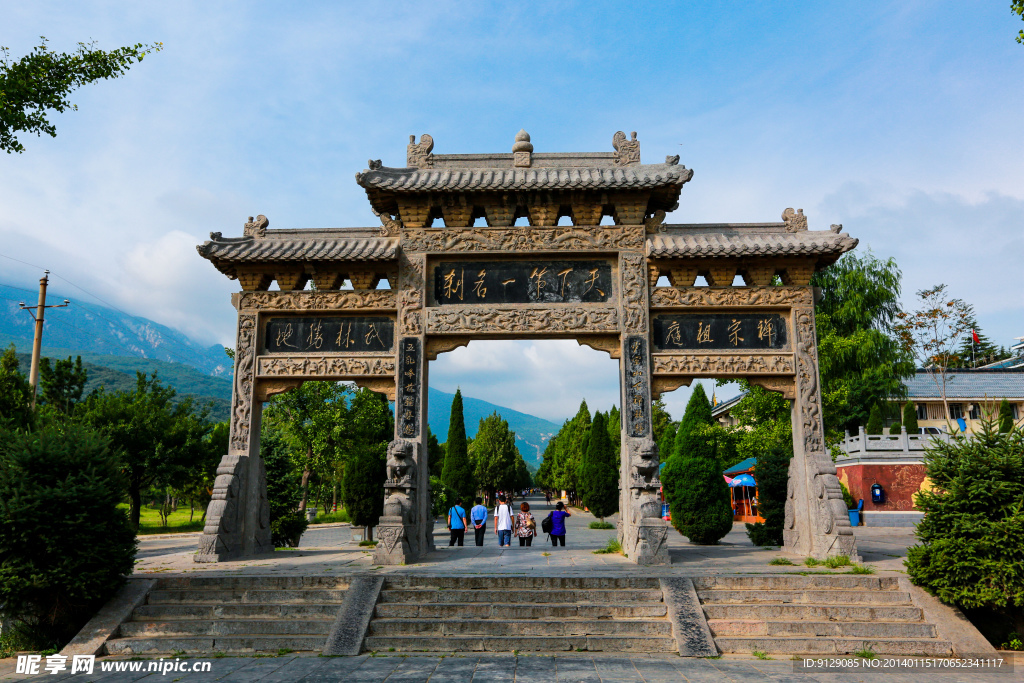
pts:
pixel 581 280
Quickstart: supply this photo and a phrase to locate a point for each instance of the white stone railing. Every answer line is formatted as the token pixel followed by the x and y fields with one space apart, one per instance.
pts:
pixel 892 443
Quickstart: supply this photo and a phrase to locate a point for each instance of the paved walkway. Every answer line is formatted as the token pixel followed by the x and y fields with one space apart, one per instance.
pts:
pixel 330 551
pixel 504 669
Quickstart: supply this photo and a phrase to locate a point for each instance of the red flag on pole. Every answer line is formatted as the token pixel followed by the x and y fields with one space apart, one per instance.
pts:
pixel 975 335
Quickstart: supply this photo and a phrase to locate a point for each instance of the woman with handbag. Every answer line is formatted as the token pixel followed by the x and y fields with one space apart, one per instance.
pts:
pixel 525 526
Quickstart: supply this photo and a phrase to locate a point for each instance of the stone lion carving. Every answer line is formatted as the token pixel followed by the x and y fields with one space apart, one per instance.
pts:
pixel 256 227
pixel 401 467
pixel 795 220
pixel 643 463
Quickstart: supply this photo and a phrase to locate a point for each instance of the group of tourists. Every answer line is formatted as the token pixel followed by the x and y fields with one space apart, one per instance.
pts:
pixel 507 523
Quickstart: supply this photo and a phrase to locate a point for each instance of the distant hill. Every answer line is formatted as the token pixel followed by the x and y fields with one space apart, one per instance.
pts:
pixel 532 433
pixel 96 329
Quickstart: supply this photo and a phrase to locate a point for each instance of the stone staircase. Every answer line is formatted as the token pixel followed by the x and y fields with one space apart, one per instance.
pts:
pixel 815 614
pixel 241 614
pixel 505 613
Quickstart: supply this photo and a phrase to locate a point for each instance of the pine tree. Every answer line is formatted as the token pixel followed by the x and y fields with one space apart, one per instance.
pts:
pixel 615 430
pixel 772 474
pixel 696 491
pixel 910 417
pixel 1005 417
pixel 15 393
pixel 63 383
pixel 698 414
pixel 600 472
pixel 458 470
pixel 874 421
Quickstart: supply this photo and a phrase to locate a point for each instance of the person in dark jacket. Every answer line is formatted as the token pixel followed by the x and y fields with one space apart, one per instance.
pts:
pixel 558 524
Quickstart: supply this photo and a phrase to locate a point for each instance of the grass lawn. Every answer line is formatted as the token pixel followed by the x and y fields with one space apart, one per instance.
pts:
pixel 149 520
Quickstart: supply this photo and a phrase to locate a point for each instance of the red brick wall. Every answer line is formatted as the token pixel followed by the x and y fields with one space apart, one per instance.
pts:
pixel 900 483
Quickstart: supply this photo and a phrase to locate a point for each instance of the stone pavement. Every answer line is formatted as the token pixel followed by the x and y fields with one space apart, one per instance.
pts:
pixel 329 550
pixel 504 669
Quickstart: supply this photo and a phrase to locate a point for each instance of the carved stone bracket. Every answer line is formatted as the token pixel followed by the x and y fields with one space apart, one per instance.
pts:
pixel 384 386
pixel 662 385
pixel 326 367
pixel 671 297
pixel 518 320
pixel 609 344
pixel 783 385
pixel 439 345
pixel 265 388
pixel 517 239
pixel 723 364
pixel 383 299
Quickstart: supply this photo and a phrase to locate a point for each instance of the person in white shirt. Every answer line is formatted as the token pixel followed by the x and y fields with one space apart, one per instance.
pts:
pixel 503 523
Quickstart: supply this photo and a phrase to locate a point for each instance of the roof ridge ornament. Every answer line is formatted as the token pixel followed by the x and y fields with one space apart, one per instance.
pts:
pixel 418 154
pixel 522 150
pixel 795 221
pixel 256 228
pixel 627 152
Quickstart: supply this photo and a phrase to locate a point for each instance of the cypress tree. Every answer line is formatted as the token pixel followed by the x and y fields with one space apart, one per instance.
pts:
pixel 696 491
pixel 698 414
pixel 874 421
pixel 458 470
pixel 600 472
pixel 667 441
pixel 615 430
pixel 435 450
pixel 910 417
pixel 1005 417
pixel 371 427
pixel 772 474
pixel 896 426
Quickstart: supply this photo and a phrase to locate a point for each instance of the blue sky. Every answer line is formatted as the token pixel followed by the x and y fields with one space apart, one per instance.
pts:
pixel 900 120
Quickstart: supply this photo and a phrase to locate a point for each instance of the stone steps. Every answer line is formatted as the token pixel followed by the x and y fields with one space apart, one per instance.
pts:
pixel 528 614
pixel 232 614
pixel 816 614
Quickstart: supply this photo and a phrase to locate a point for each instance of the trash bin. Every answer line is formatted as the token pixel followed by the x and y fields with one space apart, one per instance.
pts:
pixel 854 517
pixel 310 514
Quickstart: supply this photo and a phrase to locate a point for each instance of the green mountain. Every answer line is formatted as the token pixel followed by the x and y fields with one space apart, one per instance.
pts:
pixel 532 433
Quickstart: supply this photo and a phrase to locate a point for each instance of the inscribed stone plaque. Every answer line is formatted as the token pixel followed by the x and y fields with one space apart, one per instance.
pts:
pixel 409 378
pixel 637 380
pixel 522 282
pixel 720 331
pixel 329 334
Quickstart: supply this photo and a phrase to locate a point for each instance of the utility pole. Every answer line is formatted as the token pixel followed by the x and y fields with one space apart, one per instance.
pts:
pixel 37 340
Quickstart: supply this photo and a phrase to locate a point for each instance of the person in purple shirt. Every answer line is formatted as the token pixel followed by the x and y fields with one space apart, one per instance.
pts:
pixel 558 524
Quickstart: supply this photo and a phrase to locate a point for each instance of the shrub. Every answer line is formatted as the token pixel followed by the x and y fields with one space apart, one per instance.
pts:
pixel 851 504
pixel 896 427
pixel 441 497
pixel 696 491
pixel 971 551
pixel 284 490
pixel 772 474
pixel 65 547
pixel 602 525
pixel 1005 416
pixel 910 418
pixel 875 424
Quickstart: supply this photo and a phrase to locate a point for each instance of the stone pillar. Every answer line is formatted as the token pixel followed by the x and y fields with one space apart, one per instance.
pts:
pixel 238 517
pixel 405 531
pixel 642 531
pixel 817 523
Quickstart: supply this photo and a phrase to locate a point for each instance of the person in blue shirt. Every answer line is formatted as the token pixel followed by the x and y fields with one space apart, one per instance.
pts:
pixel 558 524
pixel 478 517
pixel 457 523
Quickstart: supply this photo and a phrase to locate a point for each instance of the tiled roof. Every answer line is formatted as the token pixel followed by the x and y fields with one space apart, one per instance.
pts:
pixel 766 240
pixel 640 176
pixel 298 246
pixel 981 384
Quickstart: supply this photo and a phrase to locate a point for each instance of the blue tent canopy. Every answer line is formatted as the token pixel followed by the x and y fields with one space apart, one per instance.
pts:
pixel 743 480
pixel 741 466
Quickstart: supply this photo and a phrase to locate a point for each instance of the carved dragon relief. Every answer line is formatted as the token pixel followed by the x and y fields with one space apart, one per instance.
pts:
pixel 501 320
pixel 410 297
pixel 671 297
pixel 318 301
pixel 560 238
pixel 241 412
pixel 722 364
pixel 634 287
pixel 326 366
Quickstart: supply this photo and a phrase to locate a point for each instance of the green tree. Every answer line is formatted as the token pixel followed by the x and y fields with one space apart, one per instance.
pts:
pixel 43 79
pixel 1005 419
pixel 660 419
pixel 772 475
pixel 15 392
pixel 1017 7
pixel 284 487
pixel 971 550
pixel 572 443
pixel 599 478
pixel 667 441
pixel 862 362
pixel 698 497
pixel 495 456
pixel 910 417
pixel 897 426
pixel 458 470
pixel 697 415
pixel 435 462
pixel 155 438
pixel 974 353
pixel 65 547
pixel 875 424
pixel 615 430
pixel 62 383
pixel 369 430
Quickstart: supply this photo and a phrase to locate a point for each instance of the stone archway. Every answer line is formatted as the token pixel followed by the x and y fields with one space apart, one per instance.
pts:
pixel 590 282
